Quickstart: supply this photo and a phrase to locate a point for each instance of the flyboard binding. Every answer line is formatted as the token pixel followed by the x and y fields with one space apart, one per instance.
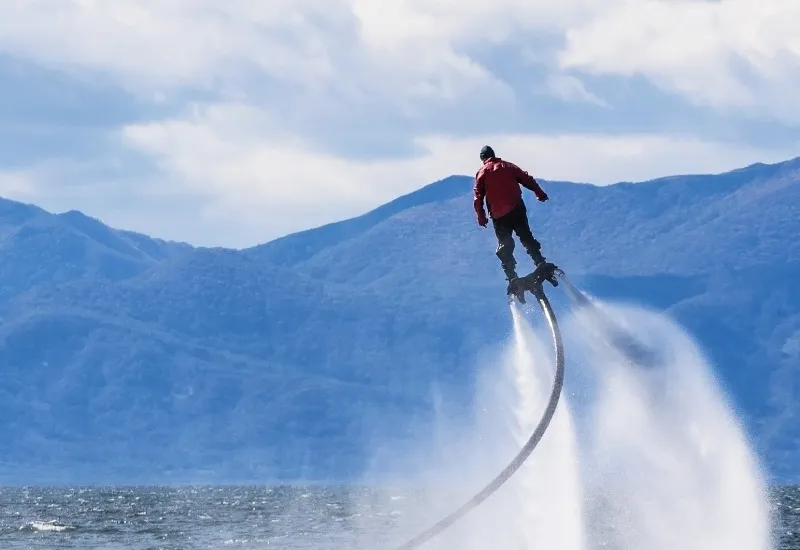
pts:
pixel 533 282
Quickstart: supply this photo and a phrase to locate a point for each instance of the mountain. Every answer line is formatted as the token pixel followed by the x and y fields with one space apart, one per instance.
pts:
pixel 298 247
pixel 129 358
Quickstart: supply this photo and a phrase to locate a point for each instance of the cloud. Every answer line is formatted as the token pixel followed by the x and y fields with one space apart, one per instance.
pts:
pixel 604 159
pixel 728 54
pixel 236 157
pixel 570 88
pixel 720 52
pixel 166 43
pixel 274 115
pixel 153 46
pixel 410 54
pixel 17 183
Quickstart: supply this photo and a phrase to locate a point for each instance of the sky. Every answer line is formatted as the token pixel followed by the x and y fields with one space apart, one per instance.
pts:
pixel 233 123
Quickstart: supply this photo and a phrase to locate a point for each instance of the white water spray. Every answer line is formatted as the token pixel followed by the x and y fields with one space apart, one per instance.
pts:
pixel 546 493
pixel 541 505
pixel 656 459
pixel 665 456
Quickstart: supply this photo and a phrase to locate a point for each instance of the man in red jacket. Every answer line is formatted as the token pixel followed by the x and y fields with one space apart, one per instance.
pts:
pixel 498 182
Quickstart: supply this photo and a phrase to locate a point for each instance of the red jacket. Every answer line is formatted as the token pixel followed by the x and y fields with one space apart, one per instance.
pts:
pixel 498 181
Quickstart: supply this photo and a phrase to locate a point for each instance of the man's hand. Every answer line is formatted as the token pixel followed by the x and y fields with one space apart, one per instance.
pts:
pixel 482 221
pixel 543 197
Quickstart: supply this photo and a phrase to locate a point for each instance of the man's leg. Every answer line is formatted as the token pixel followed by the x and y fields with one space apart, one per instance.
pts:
pixel 523 229
pixel 503 229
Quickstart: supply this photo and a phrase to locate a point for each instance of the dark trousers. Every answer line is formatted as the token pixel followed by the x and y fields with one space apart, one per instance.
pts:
pixel 515 221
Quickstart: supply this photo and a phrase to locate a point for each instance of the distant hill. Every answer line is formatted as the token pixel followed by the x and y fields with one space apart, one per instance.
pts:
pixel 130 358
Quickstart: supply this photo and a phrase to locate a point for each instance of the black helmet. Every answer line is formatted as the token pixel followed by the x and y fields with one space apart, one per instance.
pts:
pixel 487 152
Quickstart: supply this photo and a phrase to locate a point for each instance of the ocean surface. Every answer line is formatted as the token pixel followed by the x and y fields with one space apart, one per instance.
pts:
pixel 188 518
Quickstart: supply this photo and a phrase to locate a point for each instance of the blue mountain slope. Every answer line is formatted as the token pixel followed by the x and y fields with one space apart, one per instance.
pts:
pixel 610 227
pixel 130 357
pixel 717 252
pixel 39 248
pixel 297 247
pixel 213 353
pixel 627 231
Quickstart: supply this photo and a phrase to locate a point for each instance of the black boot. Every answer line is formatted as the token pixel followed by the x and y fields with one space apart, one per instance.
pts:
pixel 546 269
pixel 537 258
pixel 511 272
pixel 513 288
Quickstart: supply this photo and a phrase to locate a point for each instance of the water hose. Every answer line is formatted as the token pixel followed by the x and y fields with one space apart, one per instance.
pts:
pixel 524 453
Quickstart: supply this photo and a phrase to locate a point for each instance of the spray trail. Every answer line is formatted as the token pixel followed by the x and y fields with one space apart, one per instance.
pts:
pixel 664 463
pixel 669 464
pixel 541 501
pixel 547 491
pixel 541 505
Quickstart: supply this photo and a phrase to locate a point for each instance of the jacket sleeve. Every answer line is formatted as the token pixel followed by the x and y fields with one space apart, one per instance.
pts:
pixel 479 192
pixel 529 182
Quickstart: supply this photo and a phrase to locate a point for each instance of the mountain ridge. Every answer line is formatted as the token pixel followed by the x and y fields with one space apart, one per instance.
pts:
pixel 161 361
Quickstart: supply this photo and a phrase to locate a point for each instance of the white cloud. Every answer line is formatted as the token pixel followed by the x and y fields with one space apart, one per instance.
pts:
pixel 154 45
pixel 229 177
pixel 727 53
pixel 269 186
pixel 600 159
pixel 693 47
pixel 397 24
pixel 18 183
pixel 570 88
pixel 256 161
pixel 169 42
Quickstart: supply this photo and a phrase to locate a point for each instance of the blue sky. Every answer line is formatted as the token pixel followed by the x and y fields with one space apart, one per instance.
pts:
pixel 232 123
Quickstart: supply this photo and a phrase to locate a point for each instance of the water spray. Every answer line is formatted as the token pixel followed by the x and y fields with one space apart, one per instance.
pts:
pixel 534 285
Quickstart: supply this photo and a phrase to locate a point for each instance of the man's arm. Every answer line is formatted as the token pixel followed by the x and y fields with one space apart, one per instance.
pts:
pixel 479 192
pixel 529 182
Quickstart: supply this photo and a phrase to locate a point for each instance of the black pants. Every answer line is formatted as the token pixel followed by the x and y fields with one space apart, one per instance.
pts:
pixel 515 221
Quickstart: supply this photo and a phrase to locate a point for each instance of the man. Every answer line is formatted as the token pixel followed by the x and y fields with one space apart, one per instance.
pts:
pixel 498 182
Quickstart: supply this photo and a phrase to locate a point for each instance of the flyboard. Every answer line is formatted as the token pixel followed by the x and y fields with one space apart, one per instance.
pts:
pixel 533 283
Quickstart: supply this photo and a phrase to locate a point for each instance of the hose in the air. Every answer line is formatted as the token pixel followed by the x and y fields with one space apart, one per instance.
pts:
pixel 523 454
